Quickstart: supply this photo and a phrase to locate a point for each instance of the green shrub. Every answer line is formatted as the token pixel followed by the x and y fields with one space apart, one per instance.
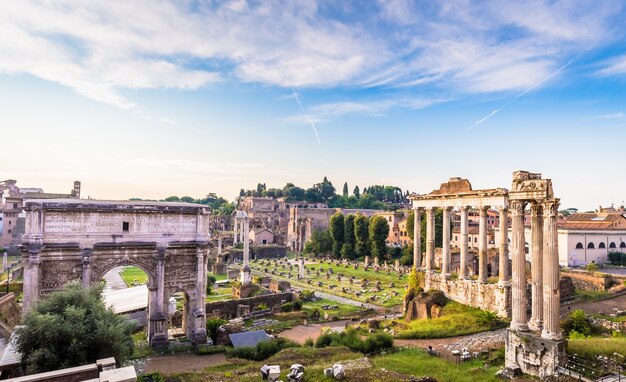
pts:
pixel 309 343
pixel 297 305
pixel 307 295
pixel 577 322
pixel 151 377
pixel 212 325
pixel 288 307
pixel 262 350
pixel 351 339
pixel 262 306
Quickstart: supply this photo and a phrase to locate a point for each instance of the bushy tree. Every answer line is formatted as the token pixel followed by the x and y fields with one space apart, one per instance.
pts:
pixel 356 192
pixel 212 325
pixel 361 235
pixel 210 280
pixel 337 233
pixel 72 328
pixel 347 250
pixel 326 189
pixel 378 233
pixel 320 243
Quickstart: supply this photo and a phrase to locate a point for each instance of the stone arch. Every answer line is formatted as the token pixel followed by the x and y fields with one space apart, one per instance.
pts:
pixel 612 245
pixel 591 245
pixel 622 245
pixel 98 273
pixel 602 245
pixel 579 245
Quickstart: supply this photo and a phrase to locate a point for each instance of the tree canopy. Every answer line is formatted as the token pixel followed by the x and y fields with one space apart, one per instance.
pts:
pixel 72 328
pixel 378 233
pixel 337 233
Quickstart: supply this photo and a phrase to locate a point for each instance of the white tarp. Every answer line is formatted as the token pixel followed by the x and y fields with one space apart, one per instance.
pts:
pixel 127 300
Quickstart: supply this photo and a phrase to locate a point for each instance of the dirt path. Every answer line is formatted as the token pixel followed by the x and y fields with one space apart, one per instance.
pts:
pixel 179 363
pixel 593 307
pixel 300 333
pixel 474 342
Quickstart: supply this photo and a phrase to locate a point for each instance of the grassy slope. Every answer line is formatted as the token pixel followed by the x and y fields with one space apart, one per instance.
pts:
pixel 341 311
pixel 591 347
pixel 456 320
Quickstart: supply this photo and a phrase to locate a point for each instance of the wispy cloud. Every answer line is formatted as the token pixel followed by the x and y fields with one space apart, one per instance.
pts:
pixel 613 66
pixel 618 115
pixel 100 49
pixel 371 108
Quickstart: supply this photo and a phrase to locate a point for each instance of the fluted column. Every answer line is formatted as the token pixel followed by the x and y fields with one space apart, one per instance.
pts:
pixel 236 231
pixel 464 252
pixel 536 268
pixel 445 258
pixel 551 286
pixel 417 239
pixel 219 243
pixel 503 261
pixel 482 245
pixel 519 319
pixel 430 238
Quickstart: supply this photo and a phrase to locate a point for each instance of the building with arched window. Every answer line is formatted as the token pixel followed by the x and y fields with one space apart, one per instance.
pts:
pixel 586 238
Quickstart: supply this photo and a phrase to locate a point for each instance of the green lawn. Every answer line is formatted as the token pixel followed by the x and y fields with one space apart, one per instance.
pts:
pixel 343 310
pixel 220 294
pixel 456 320
pixel 359 274
pixel 391 367
pixel 590 347
pixel 134 275
pixel 417 362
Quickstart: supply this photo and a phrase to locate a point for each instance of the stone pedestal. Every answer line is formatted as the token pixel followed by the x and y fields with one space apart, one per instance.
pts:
pixel 531 354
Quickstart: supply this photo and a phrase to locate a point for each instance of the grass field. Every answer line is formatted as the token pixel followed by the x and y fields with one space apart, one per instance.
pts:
pixel 456 320
pixel 220 294
pixel 358 274
pixel 343 310
pixel 391 367
pixel 417 362
pixel 134 275
pixel 590 347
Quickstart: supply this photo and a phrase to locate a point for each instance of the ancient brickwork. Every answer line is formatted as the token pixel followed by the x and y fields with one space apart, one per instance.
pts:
pixel 492 297
pixel 69 240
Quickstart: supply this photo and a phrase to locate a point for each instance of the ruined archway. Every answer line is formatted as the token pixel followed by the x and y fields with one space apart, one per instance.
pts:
pixel 68 240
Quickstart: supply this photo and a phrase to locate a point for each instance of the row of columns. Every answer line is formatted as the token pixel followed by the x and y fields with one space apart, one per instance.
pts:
pixel 545 288
pixel 446 253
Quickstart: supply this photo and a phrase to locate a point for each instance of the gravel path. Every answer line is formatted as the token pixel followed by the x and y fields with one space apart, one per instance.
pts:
pixel 593 307
pixel 113 280
pixel 179 363
pixel 474 342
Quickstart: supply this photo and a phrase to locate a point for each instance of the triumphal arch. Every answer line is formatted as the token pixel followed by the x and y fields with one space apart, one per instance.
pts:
pixel 76 239
pixel 534 346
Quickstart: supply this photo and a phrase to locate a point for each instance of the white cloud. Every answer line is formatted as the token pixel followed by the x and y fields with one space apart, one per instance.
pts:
pixel 101 48
pixel 370 108
pixel 614 66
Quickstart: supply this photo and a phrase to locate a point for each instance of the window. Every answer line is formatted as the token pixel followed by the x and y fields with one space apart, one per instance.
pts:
pixel 612 245
pixel 622 245
pixel 125 226
pixel 9 231
pixel 264 241
pixel 579 246
pixel 590 245
pixel 15 206
pixel 602 245
pixel 456 238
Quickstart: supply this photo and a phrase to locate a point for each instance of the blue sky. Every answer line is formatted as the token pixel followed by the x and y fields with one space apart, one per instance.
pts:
pixel 156 98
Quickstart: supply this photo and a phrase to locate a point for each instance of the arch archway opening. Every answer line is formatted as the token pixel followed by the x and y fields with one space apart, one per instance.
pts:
pixel 125 290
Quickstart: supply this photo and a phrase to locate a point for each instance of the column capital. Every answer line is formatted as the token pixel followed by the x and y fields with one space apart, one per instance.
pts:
pixel 517 207
pixel 536 208
pixel 550 207
pixel 464 208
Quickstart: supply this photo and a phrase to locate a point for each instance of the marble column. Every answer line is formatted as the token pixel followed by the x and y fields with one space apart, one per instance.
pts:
pixel 464 252
pixel 519 318
pixel 160 280
pixel 236 231
pixel 551 285
pixel 86 267
pixel 482 245
pixel 430 238
pixel 219 243
pixel 536 268
pixel 198 333
pixel 245 274
pixel 31 281
pixel 503 260
pixel 417 239
pixel 445 257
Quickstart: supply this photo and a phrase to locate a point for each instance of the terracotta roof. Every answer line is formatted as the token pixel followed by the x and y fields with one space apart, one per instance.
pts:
pixel 594 220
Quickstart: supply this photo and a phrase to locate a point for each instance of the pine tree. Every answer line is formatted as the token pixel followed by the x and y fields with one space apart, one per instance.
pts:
pixel 345 189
